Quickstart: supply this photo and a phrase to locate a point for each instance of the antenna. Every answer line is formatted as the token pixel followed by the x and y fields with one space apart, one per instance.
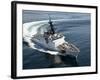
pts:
pixel 49 18
pixel 51 25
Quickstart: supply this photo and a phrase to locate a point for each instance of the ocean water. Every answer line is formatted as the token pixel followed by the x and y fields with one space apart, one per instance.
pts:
pixel 76 29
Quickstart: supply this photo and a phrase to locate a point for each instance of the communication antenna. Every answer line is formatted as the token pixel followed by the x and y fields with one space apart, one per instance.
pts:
pixel 51 25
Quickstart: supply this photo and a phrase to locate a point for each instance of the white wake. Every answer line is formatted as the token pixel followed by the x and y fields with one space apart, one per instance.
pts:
pixel 32 28
pixel 38 27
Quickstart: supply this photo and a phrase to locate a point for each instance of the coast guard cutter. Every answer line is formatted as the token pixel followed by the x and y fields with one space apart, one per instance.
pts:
pixel 54 42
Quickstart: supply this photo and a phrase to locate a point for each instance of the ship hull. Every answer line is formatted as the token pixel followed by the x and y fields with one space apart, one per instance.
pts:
pixel 63 48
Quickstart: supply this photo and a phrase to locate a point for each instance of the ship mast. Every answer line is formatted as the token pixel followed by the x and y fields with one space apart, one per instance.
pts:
pixel 51 25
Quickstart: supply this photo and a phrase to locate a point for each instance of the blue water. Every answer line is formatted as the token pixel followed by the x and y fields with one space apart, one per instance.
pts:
pixel 75 28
